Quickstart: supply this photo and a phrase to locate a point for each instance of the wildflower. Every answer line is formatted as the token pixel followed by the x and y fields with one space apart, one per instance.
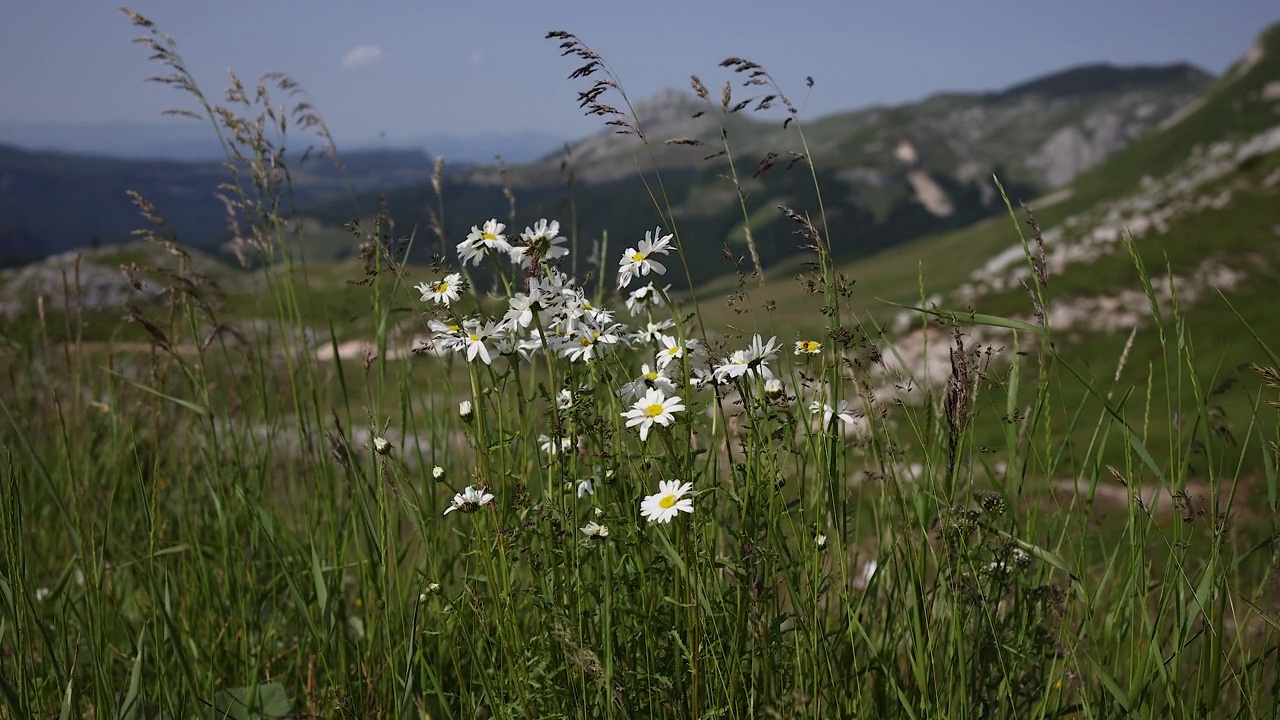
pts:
pixel 586 487
pixel 554 446
pixel 773 387
pixel 437 472
pixel 521 308
pixel 381 445
pixel 820 540
pixel 654 407
pixel 564 399
pixel 667 502
pixel 808 347
pixel 465 410
pixel 643 298
pixel 595 530
pixel 639 261
pixel 673 349
pixel 473 248
pixel 649 378
pixel 473 342
pixel 869 570
pixel 444 292
pixel 841 412
pixel 431 589
pixel 653 332
pixel 543 240
pixel 598 512
pixel 469 500
pixel 753 360
pixel 583 347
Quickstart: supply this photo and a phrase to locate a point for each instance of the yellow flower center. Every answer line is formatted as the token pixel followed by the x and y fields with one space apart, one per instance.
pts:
pixel 673 351
pixel 810 346
pixel 654 410
pixel 488 237
pixel 667 502
pixel 585 342
pixel 637 256
pixel 442 287
pixel 651 375
pixel 473 337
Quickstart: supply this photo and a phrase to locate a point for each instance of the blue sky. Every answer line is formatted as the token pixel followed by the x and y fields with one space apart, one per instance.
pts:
pixel 407 68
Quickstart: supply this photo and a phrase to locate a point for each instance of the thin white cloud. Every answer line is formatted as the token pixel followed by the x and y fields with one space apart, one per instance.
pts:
pixel 362 55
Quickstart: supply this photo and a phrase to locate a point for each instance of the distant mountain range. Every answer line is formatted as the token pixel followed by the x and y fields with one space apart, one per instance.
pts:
pixel 889 174
pixel 178 139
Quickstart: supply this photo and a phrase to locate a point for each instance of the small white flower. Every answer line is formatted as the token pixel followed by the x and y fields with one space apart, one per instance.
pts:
pixel 869 569
pixel 820 540
pixel 437 472
pixel 469 500
pixel 473 248
pixel 644 298
pixel 554 446
pixel 443 292
pixel 808 347
pixel 474 342
pixel 773 387
pixel 649 378
pixel 544 240
pixel 465 410
pixel 564 399
pixel 586 487
pixel 598 512
pixel 639 260
pixel 667 502
pixel 654 407
pixel 595 530
pixel 381 445
pixel 840 412
pixel 42 594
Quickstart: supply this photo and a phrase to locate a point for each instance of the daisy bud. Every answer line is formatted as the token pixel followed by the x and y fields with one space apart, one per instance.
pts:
pixel 381 445
pixel 599 513
pixel 465 411
pixel 437 472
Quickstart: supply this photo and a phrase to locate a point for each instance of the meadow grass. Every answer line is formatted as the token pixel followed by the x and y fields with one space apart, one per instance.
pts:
pixel 220 524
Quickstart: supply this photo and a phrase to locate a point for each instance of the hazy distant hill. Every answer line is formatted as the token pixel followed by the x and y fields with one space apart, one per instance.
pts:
pixel 888 174
pixel 51 202
pixel 178 139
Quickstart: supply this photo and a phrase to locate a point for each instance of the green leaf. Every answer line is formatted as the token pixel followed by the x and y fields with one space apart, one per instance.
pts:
pixel 264 702
pixel 129 707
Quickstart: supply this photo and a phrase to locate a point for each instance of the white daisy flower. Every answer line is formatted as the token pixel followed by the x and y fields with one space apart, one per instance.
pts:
pixel 473 248
pixel 639 260
pixel 649 378
pixel 654 407
pixel 587 345
pixel 474 341
pixel 808 347
pixel 437 472
pixel 667 502
pixel 544 240
pixel 644 298
pixel 465 410
pixel 595 530
pixel 469 500
pixel 586 487
pixel 653 332
pixel 554 446
pixel 564 399
pixel 840 412
pixel 773 387
pixel 444 292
